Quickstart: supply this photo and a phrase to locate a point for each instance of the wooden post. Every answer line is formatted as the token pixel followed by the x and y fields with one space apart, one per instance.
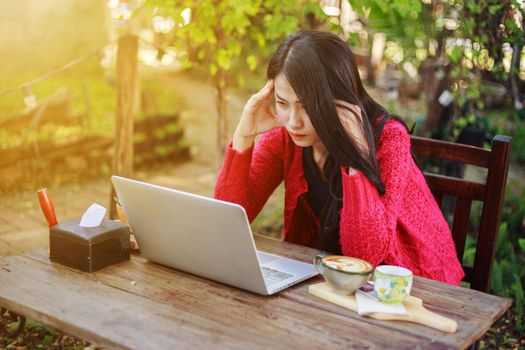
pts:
pixel 222 115
pixel 126 101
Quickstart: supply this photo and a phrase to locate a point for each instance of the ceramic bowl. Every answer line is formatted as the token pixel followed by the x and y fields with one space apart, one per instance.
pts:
pixel 343 273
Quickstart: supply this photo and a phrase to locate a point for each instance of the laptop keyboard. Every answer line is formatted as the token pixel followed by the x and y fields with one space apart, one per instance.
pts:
pixel 272 276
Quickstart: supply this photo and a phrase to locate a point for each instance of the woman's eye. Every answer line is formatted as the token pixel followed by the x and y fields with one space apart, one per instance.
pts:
pixel 281 103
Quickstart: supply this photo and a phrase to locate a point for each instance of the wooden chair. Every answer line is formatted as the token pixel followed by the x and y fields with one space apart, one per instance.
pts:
pixel 490 193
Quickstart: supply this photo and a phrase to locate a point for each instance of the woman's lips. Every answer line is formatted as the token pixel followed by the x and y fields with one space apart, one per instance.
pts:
pixel 297 136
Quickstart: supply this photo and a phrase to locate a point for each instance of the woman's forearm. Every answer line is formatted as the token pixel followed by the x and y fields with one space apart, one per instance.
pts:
pixel 241 143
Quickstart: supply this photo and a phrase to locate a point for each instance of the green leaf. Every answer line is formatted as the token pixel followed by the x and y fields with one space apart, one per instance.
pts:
pixel 480 105
pixel 201 54
pixel 473 7
pixel 382 5
pixel 185 64
pixel 13 326
pixel 521 242
pixel 315 9
pixel 212 39
pixel 456 54
pixel 456 72
pixel 251 60
pixel 510 25
pixel 497 279
pixel 172 128
pixel 404 8
pixel 213 69
pixel 470 251
pixel 234 48
pixel 519 296
pixel 198 36
pixel 469 25
pixel 47 341
pixel 161 150
pixel 240 80
pixel 462 122
pixel 223 59
pixel 261 40
pixel 493 9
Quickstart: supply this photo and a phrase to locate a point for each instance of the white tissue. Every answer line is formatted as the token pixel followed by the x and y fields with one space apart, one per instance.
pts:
pixel 367 303
pixel 93 216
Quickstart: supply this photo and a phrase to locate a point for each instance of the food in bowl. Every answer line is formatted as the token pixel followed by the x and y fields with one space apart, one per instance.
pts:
pixel 348 264
pixel 343 273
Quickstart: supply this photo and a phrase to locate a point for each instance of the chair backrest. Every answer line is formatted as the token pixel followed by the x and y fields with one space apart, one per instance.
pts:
pixel 490 193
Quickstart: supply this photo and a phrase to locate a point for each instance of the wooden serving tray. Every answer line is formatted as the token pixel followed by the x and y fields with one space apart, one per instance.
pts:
pixel 416 312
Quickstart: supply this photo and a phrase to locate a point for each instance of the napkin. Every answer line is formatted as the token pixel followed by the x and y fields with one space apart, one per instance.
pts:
pixel 367 303
pixel 93 216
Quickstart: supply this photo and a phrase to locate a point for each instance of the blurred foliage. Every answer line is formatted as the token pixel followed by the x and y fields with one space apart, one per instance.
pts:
pixel 40 36
pixel 159 97
pixel 230 38
pixel 512 123
pixel 508 275
pixel 88 74
pixel 36 335
pixel 405 23
pixel 223 36
pixel 469 32
pixel 92 96
pixel 469 42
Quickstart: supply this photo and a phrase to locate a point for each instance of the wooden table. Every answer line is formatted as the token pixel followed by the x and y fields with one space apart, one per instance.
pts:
pixel 141 305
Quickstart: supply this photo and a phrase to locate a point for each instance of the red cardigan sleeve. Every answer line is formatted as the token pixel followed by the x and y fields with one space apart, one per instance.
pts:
pixel 250 177
pixel 368 221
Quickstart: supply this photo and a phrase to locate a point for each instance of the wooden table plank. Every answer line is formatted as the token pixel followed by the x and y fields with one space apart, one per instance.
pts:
pixel 289 324
pixel 145 305
pixel 474 311
pixel 109 316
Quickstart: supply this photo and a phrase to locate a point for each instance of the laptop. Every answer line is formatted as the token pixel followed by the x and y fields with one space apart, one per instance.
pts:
pixel 205 237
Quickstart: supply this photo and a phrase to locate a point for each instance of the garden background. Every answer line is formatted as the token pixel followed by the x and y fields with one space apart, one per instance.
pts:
pixel 455 68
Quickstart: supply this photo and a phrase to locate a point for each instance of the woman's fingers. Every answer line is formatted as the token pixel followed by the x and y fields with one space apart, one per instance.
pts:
pixel 351 118
pixel 262 98
pixel 257 115
pixel 265 94
pixel 348 111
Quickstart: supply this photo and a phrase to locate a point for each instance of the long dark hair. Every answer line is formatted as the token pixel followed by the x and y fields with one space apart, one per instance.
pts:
pixel 321 68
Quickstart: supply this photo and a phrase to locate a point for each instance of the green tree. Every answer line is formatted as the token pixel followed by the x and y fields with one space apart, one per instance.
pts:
pixel 468 35
pixel 226 35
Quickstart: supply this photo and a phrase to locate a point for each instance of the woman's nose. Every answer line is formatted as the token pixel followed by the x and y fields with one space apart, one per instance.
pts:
pixel 294 120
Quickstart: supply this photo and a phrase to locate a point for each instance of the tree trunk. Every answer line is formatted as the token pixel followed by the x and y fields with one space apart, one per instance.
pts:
pixel 126 102
pixel 513 75
pixel 222 115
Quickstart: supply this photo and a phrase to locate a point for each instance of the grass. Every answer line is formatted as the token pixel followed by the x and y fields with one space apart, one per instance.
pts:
pixel 91 94
pixel 35 335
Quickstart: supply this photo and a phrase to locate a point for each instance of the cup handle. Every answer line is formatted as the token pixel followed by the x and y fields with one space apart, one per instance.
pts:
pixel 317 262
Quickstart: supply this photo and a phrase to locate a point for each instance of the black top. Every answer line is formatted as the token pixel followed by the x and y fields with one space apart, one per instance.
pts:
pixel 317 187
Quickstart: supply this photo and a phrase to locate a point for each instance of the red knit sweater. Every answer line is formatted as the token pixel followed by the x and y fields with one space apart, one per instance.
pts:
pixel 403 227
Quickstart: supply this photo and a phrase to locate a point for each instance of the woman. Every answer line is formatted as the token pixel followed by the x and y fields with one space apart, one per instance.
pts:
pixel 351 184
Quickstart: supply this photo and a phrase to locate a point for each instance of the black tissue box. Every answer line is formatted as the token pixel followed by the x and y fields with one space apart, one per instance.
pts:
pixel 89 248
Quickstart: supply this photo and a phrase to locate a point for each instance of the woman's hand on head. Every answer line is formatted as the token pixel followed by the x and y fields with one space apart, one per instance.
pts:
pixel 256 118
pixel 351 118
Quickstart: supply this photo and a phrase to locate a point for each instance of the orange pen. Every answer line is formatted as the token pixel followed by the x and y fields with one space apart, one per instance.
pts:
pixel 47 206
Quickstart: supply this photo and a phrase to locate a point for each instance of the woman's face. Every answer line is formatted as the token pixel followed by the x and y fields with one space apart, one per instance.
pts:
pixel 291 114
